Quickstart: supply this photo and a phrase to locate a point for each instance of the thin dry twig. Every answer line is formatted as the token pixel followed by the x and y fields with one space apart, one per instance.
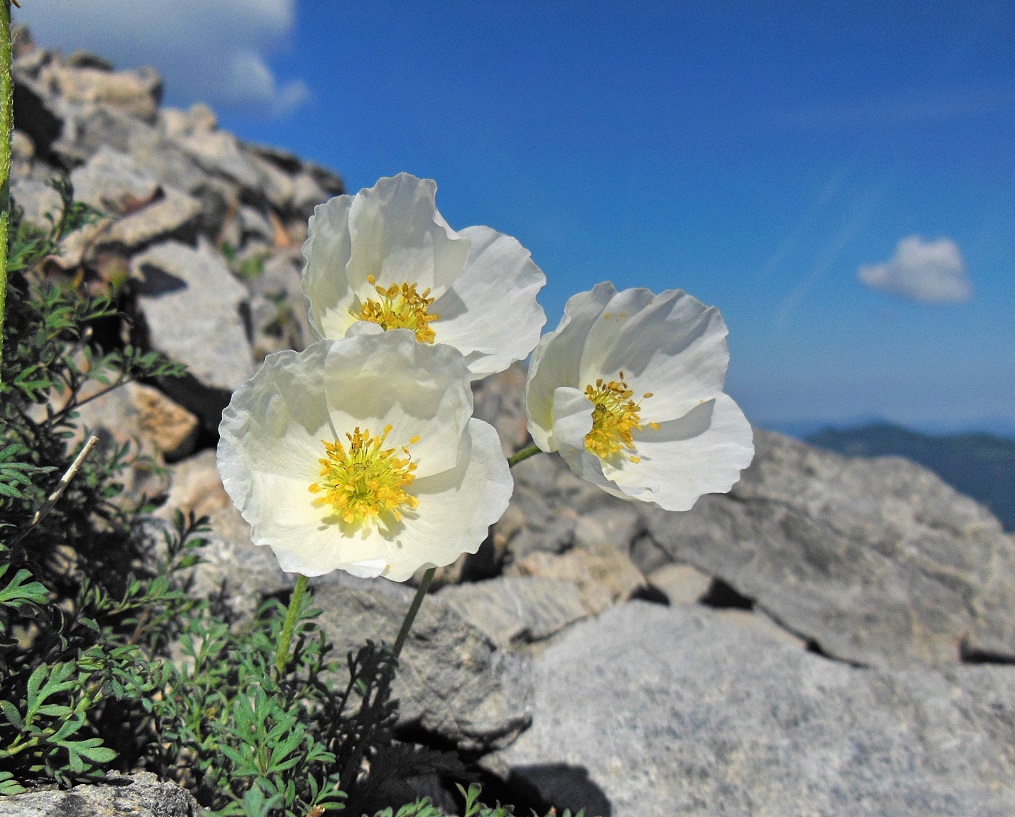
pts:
pixel 65 480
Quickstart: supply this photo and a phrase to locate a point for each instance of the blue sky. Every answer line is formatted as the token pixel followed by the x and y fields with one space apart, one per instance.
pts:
pixel 839 179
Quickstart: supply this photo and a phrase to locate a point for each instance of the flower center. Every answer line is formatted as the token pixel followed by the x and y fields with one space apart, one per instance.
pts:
pixel 365 480
pixel 400 307
pixel 615 417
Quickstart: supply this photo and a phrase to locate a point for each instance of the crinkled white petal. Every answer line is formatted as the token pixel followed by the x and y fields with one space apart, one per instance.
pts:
pixel 490 312
pixel 456 508
pixel 556 360
pixel 274 422
pixel 325 281
pixel 271 443
pixel 391 231
pixel 670 345
pixel 303 535
pixel 572 413
pixel 483 283
pixel 702 452
pixel 419 389
pixel 399 237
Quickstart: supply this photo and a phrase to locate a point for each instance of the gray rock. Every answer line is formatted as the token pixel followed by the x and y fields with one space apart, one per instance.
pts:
pixel 176 123
pixel 140 795
pixel 452 681
pixel 218 153
pixel 671 711
pixel 281 321
pixel 513 610
pixel 500 401
pixel 254 225
pixel 681 584
pixel 136 93
pixel 604 577
pixel 173 216
pixel 113 182
pixel 278 185
pixel 139 210
pixel 36 199
pixel 87 128
pixel 22 155
pixel 878 561
pixel 176 282
pixel 146 419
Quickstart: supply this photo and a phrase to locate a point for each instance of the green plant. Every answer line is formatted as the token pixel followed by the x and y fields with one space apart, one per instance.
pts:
pixel 473 808
pixel 63 525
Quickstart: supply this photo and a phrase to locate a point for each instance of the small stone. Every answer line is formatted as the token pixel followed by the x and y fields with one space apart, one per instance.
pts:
pixel 604 577
pixel 113 182
pixel 514 610
pixel 681 584
pixel 171 428
pixel 173 216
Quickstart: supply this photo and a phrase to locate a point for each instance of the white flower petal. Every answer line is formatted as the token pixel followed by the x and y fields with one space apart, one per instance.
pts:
pixel 392 232
pixel 572 421
pixel 700 453
pixel 556 360
pixel 670 344
pixel 271 446
pixel 491 314
pixel 685 439
pixel 274 408
pixel 399 237
pixel 456 508
pixel 325 285
pixel 420 390
pixel 283 516
pixel 484 296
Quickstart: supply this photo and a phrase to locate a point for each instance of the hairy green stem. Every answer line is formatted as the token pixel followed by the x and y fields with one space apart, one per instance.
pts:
pixel 6 126
pixel 413 609
pixel 282 656
pixel 524 454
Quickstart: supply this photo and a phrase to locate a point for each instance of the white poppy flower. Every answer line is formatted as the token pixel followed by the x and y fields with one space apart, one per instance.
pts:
pixel 629 390
pixel 386 259
pixel 362 454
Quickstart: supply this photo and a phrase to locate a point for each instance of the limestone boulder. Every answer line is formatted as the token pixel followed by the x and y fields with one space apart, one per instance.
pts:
pixel 877 561
pixel 181 287
pixel 653 711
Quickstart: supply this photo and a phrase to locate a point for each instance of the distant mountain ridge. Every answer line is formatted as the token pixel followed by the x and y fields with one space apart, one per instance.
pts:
pixel 979 465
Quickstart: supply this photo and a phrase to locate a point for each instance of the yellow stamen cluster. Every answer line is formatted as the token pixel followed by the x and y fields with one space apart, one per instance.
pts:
pixel 366 480
pixel 400 307
pixel 615 418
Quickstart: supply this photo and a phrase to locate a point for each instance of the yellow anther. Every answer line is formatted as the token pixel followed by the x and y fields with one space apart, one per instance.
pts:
pixel 615 418
pixel 400 307
pixel 365 481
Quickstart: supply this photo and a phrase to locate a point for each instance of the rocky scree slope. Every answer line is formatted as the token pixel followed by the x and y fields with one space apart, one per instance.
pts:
pixel 834 636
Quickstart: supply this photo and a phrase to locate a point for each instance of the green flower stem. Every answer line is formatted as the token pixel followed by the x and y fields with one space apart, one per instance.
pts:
pixel 413 609
pixel 282 656
pixel 6 126
pixel 524 454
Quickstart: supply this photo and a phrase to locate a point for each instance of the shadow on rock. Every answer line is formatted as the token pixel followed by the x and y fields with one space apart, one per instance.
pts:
pixel 560 786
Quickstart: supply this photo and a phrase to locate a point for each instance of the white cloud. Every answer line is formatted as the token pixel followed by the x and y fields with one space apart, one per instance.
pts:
pixel 212 51
pixel 925 271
